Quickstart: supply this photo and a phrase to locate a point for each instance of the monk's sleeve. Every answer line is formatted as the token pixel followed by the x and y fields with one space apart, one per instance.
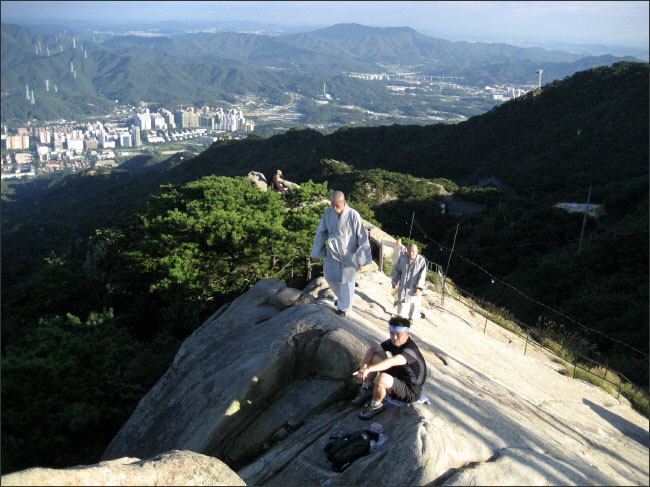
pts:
pixel 364 252
pixel 422 275
pixel 318 249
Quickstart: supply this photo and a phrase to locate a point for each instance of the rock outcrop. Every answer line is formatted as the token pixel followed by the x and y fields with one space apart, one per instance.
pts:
pixel 256 368
pixel 266 381
pixel 258 179
pixel 171 468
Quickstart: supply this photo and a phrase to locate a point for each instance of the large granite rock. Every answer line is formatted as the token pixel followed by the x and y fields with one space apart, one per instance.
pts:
pixel 242 364
pixel 258 179
pixel 265 382
pixel 171 468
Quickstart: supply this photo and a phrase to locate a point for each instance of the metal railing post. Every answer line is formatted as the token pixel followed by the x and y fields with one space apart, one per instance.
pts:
pixel 526 346
pixel 574 369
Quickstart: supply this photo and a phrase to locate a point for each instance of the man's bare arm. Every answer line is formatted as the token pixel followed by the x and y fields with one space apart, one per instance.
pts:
pixel 384 365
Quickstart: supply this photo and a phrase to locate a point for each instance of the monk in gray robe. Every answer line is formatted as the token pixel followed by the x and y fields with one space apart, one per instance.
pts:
pixel 343 241
pixel 410 273
pixel 398 250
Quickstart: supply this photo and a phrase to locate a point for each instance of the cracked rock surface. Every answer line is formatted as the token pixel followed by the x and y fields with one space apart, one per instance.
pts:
pixel 265 382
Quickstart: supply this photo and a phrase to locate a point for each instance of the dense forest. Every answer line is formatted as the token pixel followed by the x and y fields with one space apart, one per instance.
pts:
pixel 104 274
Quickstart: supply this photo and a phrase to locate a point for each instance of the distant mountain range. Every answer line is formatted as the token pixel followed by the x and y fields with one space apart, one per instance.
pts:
pixel 207 67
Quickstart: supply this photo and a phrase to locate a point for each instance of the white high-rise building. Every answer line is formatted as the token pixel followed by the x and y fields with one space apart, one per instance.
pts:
pixel 143 121
pixel 125 140
pixel 44 136
pixel 74 144
pixel 135 136
pixel 158 122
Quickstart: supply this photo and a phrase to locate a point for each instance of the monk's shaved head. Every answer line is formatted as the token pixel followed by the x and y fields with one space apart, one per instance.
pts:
pixel 337 201
pixel 412 251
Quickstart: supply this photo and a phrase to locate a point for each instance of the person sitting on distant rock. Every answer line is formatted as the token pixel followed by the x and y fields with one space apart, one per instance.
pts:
pixel 410 273
pixel 401 376
pixel 277 183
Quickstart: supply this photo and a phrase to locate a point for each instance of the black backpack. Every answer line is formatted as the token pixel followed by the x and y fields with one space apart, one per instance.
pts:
pixel 346 449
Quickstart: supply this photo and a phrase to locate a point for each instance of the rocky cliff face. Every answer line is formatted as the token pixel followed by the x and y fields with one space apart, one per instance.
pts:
pixel 266 381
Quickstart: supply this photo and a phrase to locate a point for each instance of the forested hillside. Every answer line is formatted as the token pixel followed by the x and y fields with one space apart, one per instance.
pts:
pixel 204 68
pixel 106 332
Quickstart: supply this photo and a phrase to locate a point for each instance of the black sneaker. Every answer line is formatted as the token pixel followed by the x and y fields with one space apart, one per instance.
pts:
pixel 370 412
pixel 362 397
pixel 340 313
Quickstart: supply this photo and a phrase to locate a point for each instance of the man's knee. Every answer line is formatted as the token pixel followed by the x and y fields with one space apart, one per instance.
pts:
pixel 384 380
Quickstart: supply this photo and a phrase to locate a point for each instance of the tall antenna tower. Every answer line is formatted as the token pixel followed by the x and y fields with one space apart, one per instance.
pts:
pixel 27 91
pixel 47 85
pixel 539 79
pixel 33 101
pixel 74 43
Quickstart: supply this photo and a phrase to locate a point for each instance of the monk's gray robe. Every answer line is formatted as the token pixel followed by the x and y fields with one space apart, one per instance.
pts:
pixel 410 274
pixel 343 241
pixel 397 253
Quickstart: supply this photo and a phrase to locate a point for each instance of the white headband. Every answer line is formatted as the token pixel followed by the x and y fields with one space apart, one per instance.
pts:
pixel 399 328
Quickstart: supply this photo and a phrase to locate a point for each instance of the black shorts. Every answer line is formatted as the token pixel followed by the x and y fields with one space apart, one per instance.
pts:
pixel 402 391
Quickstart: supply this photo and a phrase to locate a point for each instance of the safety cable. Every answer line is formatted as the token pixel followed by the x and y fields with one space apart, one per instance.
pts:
pixel 528 297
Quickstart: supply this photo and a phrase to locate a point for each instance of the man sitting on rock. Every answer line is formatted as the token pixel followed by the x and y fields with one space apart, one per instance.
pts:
pixel 277 183
pixel 401 376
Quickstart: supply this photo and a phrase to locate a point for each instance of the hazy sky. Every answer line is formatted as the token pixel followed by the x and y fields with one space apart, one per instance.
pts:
pixel 613 23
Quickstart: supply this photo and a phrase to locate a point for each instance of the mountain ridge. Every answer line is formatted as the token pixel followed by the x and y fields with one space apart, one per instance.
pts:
pixel 301 56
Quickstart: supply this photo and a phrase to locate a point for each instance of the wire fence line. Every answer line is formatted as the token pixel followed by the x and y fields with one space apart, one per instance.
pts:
pixel 533 335
pixel 496 279
pixel 538 337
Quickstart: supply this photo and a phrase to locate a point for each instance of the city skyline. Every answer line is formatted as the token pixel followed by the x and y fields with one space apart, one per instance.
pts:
pixel 588 23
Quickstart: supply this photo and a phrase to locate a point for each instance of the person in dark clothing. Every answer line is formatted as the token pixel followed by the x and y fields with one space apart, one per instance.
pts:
pixel 277 183
pixel 401 376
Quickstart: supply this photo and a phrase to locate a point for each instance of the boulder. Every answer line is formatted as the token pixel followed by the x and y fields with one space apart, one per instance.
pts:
pixel 170 468
pixel 258 179
pixel 319 289
pixel 339 352
pixel 285 297
pixel 242 363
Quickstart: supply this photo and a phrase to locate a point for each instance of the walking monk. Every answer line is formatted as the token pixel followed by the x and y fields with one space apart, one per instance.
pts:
pixel 343 241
